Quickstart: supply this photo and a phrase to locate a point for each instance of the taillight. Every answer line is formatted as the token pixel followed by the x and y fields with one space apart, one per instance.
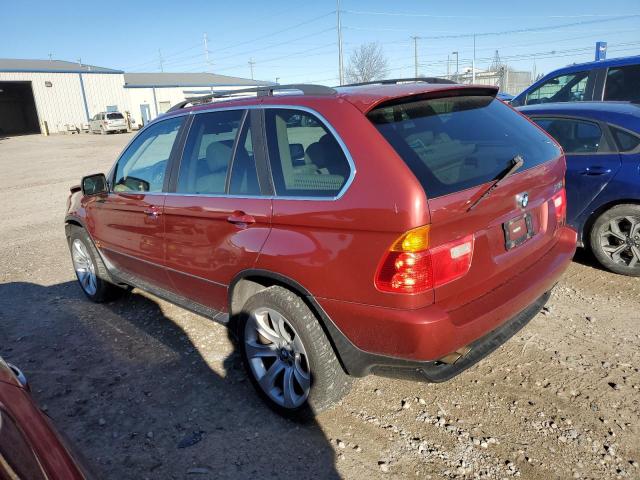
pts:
pixel 410 266
pixel 560 206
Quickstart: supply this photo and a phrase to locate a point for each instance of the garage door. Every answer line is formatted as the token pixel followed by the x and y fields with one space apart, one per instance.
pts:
pixel 17 109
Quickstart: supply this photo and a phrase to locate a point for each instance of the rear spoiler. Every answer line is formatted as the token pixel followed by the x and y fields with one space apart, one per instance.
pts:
pixel 453 91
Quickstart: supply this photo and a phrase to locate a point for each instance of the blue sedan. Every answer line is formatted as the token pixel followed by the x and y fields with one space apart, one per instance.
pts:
pixel 601 141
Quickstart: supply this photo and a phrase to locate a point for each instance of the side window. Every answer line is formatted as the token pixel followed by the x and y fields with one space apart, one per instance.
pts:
pixel 623 83
pixel 565 88
pixel 244 178
pixel 207 153
pixel 575 136
pixel 625 140
pixel 306 159
pixel 143 165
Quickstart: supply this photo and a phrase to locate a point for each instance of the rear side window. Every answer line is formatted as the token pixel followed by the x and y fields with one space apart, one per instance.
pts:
pixel 575 136
pixel 625 140
pixel 306 159
pixel 623 83
pixel 208 151
pixel 114 116
pixel 564 88
pixel 455 143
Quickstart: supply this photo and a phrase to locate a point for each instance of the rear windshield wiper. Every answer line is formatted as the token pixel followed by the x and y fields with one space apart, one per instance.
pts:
pixel 515 163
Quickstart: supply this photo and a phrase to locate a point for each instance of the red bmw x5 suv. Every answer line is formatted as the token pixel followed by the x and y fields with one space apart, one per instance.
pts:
pixel 399 227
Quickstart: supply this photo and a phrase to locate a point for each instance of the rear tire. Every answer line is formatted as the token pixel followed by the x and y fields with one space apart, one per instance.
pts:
pixel 287 355
pixel 615 239
pixel 92 275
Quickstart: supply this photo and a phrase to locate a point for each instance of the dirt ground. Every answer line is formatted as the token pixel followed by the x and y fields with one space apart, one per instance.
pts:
pixel 145 389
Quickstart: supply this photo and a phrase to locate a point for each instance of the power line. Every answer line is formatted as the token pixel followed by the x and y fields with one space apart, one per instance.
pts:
pixel 533 29
pixel 520 17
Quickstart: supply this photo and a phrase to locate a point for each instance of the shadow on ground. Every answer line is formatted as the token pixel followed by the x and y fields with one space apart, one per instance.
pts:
pixel 144 397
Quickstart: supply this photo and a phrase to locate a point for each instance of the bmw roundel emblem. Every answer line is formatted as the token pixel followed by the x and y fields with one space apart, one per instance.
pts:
pixel 522 199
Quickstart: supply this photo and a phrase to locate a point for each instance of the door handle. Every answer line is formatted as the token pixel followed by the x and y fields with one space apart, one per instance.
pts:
pixel 239 217
pixel 152 212
pixel 595 171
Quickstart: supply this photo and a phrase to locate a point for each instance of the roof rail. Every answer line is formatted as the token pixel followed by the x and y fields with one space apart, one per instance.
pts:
pixel 263 91
pixel 394 81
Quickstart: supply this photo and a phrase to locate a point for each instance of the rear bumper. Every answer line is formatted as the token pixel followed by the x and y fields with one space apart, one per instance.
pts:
pixel 374 339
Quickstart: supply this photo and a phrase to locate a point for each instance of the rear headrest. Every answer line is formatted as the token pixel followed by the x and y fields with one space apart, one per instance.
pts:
pixel 218 156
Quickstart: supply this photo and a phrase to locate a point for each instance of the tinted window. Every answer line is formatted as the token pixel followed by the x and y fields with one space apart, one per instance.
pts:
pixel 142 166
pixel 114 116
pixel 306 159
pixel 625 140
pixel 564 88
pixel 455 143
pixel 623 83
pixel 208 151
pixel 244 179
pixel 575 136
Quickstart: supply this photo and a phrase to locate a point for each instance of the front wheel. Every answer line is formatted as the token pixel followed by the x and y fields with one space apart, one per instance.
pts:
pixel 90 271
pixel 288 356
pixel 615 239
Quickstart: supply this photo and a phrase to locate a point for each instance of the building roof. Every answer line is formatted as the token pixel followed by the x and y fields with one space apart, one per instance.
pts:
pixel 169 79
pixel 56 66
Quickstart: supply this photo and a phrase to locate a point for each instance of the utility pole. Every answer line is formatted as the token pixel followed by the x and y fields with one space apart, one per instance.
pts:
pixel 340 60
pixel 415 56
pixel 160 60
pixel 456 54
pixel 473 63
pixel 206 50
pixel 448 76
pixel 251 64
pixel 50 57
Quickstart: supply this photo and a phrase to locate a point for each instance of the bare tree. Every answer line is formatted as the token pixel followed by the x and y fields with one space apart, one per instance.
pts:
pixel 366 63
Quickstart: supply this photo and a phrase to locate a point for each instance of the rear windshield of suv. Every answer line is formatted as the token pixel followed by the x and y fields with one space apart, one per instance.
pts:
pixel 455 143
pixel 114 116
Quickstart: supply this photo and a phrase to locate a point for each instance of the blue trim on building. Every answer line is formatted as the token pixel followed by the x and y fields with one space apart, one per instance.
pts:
pixel 22 70
pixel 84 97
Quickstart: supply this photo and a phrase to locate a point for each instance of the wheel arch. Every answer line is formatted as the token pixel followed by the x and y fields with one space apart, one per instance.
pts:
pixel 594 215
pixel 249 282
pixel 70 222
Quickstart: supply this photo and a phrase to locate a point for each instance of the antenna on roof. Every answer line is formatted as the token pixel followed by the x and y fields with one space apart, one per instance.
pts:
pixel 50 57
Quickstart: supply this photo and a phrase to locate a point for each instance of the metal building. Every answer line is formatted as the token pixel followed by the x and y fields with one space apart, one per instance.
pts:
pixel 58 96
pixel 151 94
pixel 52 94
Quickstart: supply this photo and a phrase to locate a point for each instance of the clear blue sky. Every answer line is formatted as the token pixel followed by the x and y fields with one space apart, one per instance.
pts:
pixel 296 41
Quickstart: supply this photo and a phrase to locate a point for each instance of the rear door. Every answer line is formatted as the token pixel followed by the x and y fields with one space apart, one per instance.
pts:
pixel 128 223
pixel 218 214
pixel 457 146
pixel 592 159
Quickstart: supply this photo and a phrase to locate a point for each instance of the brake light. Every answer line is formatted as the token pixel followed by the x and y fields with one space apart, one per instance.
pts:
pixel 410 266
pixel 560 206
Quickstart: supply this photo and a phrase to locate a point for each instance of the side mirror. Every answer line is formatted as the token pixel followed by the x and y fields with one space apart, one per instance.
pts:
pixel 94 184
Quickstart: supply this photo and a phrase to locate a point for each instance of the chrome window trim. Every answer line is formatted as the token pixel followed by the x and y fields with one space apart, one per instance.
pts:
pixel 318 115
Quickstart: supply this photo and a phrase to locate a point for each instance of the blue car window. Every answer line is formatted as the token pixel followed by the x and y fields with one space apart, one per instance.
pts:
pixel 575 136
pixel 625 140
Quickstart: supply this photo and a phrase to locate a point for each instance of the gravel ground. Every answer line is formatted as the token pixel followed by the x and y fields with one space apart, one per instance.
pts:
pixel 145 389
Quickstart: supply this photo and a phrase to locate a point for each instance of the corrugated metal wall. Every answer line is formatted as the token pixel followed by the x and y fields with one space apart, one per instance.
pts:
pixel 62 103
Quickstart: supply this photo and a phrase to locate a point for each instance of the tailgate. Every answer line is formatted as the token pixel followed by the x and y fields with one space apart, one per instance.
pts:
pixel 496 256
pixel 458 145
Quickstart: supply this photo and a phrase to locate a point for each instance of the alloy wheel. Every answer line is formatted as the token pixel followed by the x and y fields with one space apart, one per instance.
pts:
pixel 620 240
pixel 277 358
pixel 83 265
